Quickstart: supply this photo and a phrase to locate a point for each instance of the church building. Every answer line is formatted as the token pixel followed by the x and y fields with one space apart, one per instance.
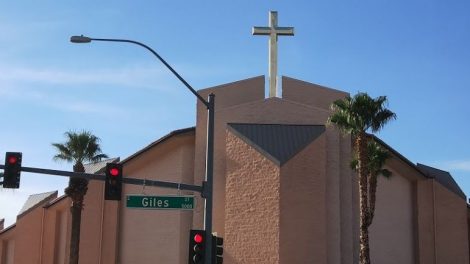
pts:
pixel 284 193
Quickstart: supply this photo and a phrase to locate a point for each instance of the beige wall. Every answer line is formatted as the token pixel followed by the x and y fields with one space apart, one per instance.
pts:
pixel 252 219
pixel 243 102
pixel 392 235
pixel 7 242
pixel 309 93
pixel 149 235
pixel 56 232
pixel 98 234
pixel 451 227
pixel 303 212
pixel 303 215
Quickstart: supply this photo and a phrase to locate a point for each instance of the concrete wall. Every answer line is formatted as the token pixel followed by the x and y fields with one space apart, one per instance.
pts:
pixel 149 235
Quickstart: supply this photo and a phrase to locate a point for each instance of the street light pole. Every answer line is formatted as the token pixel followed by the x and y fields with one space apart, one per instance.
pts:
pixel 207 191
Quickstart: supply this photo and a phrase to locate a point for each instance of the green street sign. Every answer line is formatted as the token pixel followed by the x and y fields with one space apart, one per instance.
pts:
pixel 165 202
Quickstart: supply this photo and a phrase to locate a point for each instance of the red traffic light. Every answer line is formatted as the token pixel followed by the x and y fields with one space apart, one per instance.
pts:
pixel 198 238
pixel 114 172
pixel 12 160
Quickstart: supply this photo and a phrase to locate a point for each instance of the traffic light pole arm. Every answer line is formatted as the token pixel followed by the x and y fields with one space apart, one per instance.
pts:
pixel 102 177
pixel 162 60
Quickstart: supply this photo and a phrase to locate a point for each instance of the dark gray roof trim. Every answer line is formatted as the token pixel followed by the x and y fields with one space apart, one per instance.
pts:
pixel 161 140
pixel 8 228
pixel 278 142
pixel 443 177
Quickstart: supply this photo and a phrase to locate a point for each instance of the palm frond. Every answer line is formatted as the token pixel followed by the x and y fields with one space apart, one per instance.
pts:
pixel 79 147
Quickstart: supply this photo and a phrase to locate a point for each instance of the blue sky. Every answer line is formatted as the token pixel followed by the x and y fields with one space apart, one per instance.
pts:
pixel 415 52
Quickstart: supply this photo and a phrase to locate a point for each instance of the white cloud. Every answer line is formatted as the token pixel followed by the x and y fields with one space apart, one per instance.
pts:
pixel 461 165
pixel 143 77
pixel 452 165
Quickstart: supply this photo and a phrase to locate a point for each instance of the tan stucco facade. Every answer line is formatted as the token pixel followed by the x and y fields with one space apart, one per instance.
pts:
pixel 301 210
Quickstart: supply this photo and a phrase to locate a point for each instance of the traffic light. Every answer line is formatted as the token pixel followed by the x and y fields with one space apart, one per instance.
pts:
pixel 12 171
pixel 113 183
pixel 217 250
pixel 197 243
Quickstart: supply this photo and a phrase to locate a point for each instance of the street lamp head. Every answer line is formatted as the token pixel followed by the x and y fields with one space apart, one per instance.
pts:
pixel 80 39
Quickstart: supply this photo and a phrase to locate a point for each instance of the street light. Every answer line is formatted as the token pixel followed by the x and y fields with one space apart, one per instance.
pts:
pixel 207 190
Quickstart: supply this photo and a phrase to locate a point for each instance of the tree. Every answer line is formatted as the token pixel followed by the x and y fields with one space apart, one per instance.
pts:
pixel 78 148
pixel 356 116
pixel 376 158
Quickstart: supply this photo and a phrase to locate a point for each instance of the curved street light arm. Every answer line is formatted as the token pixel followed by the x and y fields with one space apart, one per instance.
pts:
pixel 83 39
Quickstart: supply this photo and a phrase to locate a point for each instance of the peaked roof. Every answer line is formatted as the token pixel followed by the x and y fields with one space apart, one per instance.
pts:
pixel 97 167
pixel 443 177
pixel 160 140
pixel 278 142
pixel 35 200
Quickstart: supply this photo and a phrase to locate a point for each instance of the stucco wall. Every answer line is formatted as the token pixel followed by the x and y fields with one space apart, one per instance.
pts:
pixel 91 227
pixel 451 227
pixel 227 95
pixel 303 225
pixel 309 93
pixel 7 243
pixel 252 211
pixel 242 102
pixel 149 235
pixel 392 238
pixel 56 232
pixel 29 234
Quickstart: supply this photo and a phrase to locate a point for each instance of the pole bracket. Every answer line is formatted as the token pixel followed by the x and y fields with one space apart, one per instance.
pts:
pixel 205 191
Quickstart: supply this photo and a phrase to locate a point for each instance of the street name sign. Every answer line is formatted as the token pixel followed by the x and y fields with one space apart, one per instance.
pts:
pixel 162 202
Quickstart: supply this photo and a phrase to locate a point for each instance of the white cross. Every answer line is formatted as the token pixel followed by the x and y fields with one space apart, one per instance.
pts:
pixel 273 31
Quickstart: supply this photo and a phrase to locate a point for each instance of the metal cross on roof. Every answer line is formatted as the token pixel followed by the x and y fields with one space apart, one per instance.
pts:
pixel 273 31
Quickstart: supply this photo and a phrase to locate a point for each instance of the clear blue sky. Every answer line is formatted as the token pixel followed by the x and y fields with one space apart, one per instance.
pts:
pixel 415 52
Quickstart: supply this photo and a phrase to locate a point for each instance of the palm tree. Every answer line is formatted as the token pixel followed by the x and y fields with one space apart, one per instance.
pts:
pixel 356 116
pixel 78 148
pixel 377 156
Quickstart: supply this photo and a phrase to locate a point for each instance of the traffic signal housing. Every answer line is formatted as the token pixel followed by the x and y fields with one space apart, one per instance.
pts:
pixel 113 182
pixel 12 170
pixel 197 245
pixel 217 250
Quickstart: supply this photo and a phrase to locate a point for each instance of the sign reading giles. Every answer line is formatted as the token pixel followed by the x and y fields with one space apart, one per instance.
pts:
pixel 185 202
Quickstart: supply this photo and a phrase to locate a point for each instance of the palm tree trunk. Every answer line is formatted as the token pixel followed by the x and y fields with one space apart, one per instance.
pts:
pixel 361 145
pixel 76 191
pixel 76 211
pixel 372 197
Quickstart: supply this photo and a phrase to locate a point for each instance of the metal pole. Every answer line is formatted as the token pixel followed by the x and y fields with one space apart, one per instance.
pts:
pixel 101 177
pixel 209 187
pixel 207 191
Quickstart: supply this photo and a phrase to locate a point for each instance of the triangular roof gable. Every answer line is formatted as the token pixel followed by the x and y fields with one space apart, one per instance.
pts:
pixel 35 200
pixel 278 142
pixel 189 130
pixel 443 177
